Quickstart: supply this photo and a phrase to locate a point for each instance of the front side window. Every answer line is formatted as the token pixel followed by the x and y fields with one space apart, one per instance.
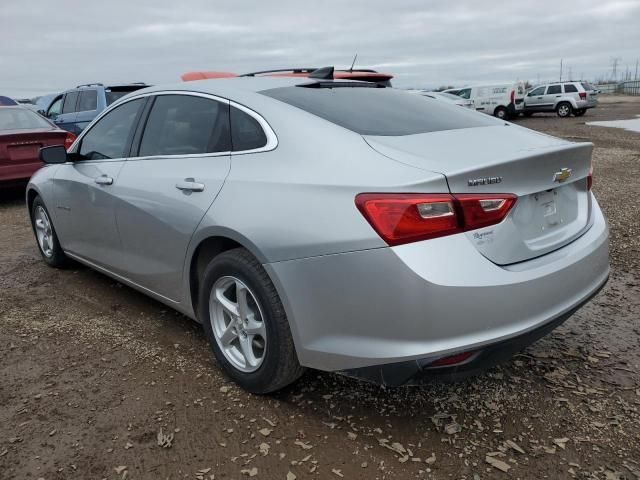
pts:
pixel 246 132
pixel 69 104
pixel 88 100
pixel 553 89
pixel 186 125
pixel 55 108
pixel 465 93
pixel 537 91
pixel 109 137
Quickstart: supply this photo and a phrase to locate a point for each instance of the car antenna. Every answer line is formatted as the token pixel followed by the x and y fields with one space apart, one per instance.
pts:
pixel 353 63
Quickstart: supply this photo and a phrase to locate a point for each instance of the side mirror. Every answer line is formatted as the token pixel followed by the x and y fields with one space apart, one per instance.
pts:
pixel 53 155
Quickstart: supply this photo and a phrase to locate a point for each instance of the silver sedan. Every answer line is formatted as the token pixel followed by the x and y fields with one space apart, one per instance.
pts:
pixel 329 224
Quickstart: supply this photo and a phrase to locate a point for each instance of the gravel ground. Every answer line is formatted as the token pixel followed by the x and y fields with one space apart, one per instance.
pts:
pixel 98 381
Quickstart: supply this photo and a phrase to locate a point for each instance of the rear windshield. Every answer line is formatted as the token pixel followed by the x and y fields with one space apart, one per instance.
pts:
pixel 587 86
pixel 379 111
pixel 21 119
pixel 115 93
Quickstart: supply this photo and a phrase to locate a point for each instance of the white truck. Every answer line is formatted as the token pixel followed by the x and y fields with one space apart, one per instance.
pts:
pixel 504 100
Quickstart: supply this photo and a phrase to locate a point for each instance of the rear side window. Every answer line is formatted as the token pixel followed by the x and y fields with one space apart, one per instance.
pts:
pixel 186 125
pixel 570 88
pixel 379 111
pixel 88 100
pixel 109 137
pixel 554 89
pixel 69 104
pixel 246 132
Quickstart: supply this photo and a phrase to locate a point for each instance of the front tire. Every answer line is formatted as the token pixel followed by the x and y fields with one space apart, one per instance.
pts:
pixel 563 109
pixel 46 236
pixel 501 113
pixel 246 324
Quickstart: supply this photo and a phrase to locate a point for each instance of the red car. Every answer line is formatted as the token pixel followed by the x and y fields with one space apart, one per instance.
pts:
pixel 22 134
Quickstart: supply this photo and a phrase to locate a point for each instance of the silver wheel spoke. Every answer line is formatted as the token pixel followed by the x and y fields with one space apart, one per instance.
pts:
pixel 254 327
pixel 241 295
pixel 39 224
pixel 229 335
pixel 230 307
pixel 247 351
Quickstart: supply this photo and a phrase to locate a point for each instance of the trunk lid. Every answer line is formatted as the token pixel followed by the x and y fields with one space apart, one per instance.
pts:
pixel 19 150
pixel 548 175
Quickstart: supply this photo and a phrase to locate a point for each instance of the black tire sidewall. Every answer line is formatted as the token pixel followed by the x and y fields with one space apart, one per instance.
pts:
pixel 505 113
pixel 257 381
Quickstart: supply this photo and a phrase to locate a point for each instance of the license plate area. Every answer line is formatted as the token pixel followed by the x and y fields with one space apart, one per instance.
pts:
pixel 548 211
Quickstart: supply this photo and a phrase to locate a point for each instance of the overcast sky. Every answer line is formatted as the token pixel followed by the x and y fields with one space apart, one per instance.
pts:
pixel 48 46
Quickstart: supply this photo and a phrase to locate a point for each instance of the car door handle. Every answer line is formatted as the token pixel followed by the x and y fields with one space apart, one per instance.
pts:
pixel 190 185
pixel 104 180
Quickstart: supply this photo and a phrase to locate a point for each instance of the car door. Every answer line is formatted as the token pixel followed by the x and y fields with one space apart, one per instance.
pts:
pixel 182 161
pixel 535 98
pixel 86 189
pixel 87 108
pixel 66 119
pixel 553 95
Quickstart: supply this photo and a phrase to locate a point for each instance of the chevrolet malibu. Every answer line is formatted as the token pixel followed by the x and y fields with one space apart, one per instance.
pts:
pixel 331 224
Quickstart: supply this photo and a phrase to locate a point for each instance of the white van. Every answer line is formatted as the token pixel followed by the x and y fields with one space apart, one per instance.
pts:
pixel 503 101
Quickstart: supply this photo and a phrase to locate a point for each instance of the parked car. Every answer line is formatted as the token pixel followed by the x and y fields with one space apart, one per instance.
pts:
pixel 329 224
pixel 452 91
pixel 7 101
pixel 22 133
pixel 74 109
pixel 447 97
pixel 503 101
pixel 363 74
pixel 564 98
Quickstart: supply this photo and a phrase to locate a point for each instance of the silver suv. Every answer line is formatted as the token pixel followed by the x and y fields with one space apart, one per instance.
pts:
pixel 564 98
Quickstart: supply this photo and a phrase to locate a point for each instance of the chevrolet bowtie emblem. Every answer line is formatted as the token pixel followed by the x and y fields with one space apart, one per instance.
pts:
pixel 562 176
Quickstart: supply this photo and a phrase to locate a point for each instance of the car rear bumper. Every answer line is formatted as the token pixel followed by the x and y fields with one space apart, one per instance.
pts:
pixel 430 299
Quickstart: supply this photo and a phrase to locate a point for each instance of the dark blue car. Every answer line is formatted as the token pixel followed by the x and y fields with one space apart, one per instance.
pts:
pixel 74 109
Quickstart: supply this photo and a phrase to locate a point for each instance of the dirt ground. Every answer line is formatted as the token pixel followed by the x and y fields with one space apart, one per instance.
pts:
pixel 91 372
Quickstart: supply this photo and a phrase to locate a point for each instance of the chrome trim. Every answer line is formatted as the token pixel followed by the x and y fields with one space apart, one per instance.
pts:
pixel 272 139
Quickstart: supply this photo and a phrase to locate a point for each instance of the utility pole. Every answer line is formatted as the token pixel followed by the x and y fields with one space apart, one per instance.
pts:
pixel 614 67
pixel 560 69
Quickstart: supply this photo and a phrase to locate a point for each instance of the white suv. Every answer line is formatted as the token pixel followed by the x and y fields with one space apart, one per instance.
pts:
pixel 563 98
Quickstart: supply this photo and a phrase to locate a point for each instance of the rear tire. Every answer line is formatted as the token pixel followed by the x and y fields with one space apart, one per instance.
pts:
pixel 501 113
pixel 564 109
pixel 580 112
pixel 46 237
pixel 246 324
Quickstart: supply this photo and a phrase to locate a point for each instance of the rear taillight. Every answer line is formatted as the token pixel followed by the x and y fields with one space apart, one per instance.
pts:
pixel 590 178
pixel 513 96
pixel 409 217
pixel 68 140
pixel 583 95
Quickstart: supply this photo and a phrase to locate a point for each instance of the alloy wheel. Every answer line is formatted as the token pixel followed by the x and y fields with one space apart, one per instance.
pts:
pixel 44 232
pixel 238 324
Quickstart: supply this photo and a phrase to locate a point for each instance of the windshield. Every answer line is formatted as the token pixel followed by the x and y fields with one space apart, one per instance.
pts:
pixel 379 111
pixel 21 119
